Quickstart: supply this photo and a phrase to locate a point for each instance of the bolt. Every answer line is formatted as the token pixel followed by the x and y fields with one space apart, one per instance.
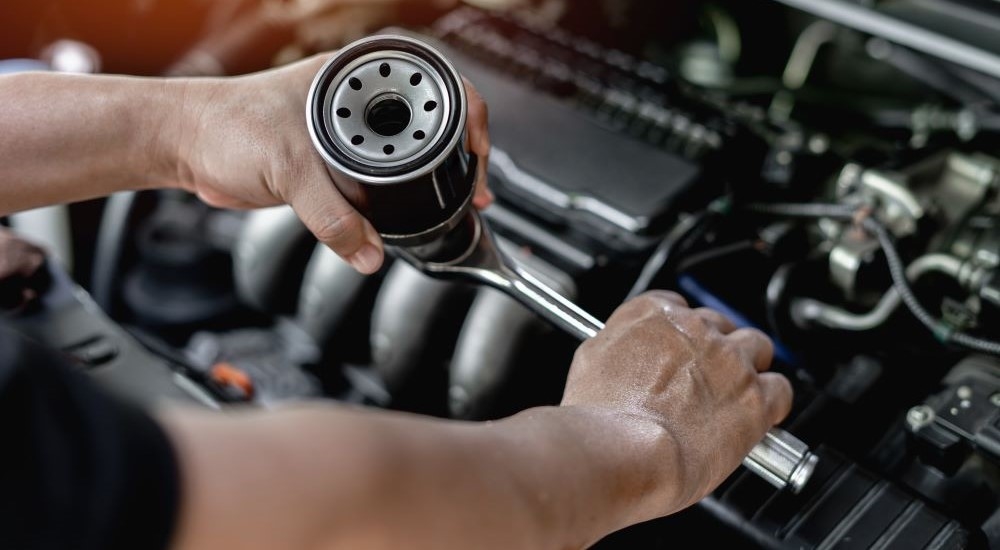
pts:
pixel 919 416
pixel 964 392
pixel 818 144
pixel 995 399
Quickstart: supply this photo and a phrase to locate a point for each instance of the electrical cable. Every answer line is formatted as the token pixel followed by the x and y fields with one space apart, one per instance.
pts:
pixel 897 269
pixel 676 240
pixel 715 253
pixel 773 294
pixel 680 237
pixel 181 364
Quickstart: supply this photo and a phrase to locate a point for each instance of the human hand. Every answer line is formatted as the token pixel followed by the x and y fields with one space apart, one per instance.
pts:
pixel 244 143
pixel 22 274
pixel 689 377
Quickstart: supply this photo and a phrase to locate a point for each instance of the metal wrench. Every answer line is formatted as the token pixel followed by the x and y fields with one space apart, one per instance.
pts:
pixel 780 458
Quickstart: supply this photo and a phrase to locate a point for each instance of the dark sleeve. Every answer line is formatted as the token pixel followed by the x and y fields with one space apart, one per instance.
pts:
pixel 78 468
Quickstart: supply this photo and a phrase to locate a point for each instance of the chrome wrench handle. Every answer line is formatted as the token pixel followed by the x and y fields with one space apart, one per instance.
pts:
pixel 780 458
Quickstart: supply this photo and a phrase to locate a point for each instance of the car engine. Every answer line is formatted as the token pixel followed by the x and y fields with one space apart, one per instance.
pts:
pixel 826 171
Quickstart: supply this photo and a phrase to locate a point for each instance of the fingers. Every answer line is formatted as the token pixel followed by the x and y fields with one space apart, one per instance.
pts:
pixel 755 345
pixel 479 143
pixel 715 319
pixel 777 393
pixel 751 343
pixel 18 257
pixel 337 224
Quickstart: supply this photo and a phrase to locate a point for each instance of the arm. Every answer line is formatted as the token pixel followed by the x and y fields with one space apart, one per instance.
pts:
pixel 658 408
pixel 637 437
pixel 67 138
pixel 329 477
pixel 237 143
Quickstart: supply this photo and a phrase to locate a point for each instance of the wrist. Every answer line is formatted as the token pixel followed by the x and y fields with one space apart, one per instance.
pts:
pixel 641 456
pixel 170 124
pixel 156 118
pixel 622 468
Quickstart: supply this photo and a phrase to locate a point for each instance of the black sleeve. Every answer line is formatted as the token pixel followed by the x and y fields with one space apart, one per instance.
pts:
pixel 78 468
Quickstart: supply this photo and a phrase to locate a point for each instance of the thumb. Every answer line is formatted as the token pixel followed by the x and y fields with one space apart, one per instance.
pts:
pixel 336 223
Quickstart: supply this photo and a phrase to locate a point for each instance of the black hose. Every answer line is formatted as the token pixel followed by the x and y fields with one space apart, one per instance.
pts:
pixel 897 269
pixel 772 297
pixel 695 260
pixel 666 252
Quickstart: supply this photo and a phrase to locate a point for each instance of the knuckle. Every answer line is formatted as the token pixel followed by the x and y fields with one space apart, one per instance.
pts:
pixel 717 319
pixel 665 298
pixel 657 311
pixel 643 302
pixel 751 337
pixel 754 399
pixel 733 355
pixel 339 229
pixel 756 334
pixel 709 321
pixel 691 323
pixel 767 345
pixel 705 313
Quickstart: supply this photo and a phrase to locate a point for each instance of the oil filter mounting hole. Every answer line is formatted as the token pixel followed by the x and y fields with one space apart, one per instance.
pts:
pixel 388 115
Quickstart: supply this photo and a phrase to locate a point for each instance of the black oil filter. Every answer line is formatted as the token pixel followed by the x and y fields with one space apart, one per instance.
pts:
pixel 387 114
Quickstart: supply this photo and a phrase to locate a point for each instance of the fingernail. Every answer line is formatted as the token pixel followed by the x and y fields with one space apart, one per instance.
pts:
pixel 367 260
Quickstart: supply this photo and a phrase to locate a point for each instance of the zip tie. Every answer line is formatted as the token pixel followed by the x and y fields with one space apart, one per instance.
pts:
pixel 943 332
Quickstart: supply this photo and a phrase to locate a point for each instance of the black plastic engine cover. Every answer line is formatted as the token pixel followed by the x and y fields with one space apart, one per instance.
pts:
pixel 560 160
pixel 843 507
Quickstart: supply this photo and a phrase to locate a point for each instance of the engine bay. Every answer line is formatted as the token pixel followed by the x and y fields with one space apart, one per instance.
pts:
pixel 823 170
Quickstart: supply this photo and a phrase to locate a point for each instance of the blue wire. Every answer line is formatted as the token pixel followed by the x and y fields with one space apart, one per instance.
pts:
pixel 702 295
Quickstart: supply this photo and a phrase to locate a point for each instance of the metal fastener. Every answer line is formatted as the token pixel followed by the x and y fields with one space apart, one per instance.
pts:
pixel 919 416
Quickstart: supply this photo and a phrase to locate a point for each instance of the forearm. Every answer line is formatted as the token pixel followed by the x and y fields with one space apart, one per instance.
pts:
pixel 328 477
pixel 66 138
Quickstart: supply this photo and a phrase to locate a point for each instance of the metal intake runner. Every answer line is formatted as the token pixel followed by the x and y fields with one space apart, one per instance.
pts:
pixel 388 115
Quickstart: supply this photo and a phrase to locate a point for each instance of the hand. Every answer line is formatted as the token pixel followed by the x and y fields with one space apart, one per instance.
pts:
pixel 244 143
pixel 694 380
pixel 22 277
